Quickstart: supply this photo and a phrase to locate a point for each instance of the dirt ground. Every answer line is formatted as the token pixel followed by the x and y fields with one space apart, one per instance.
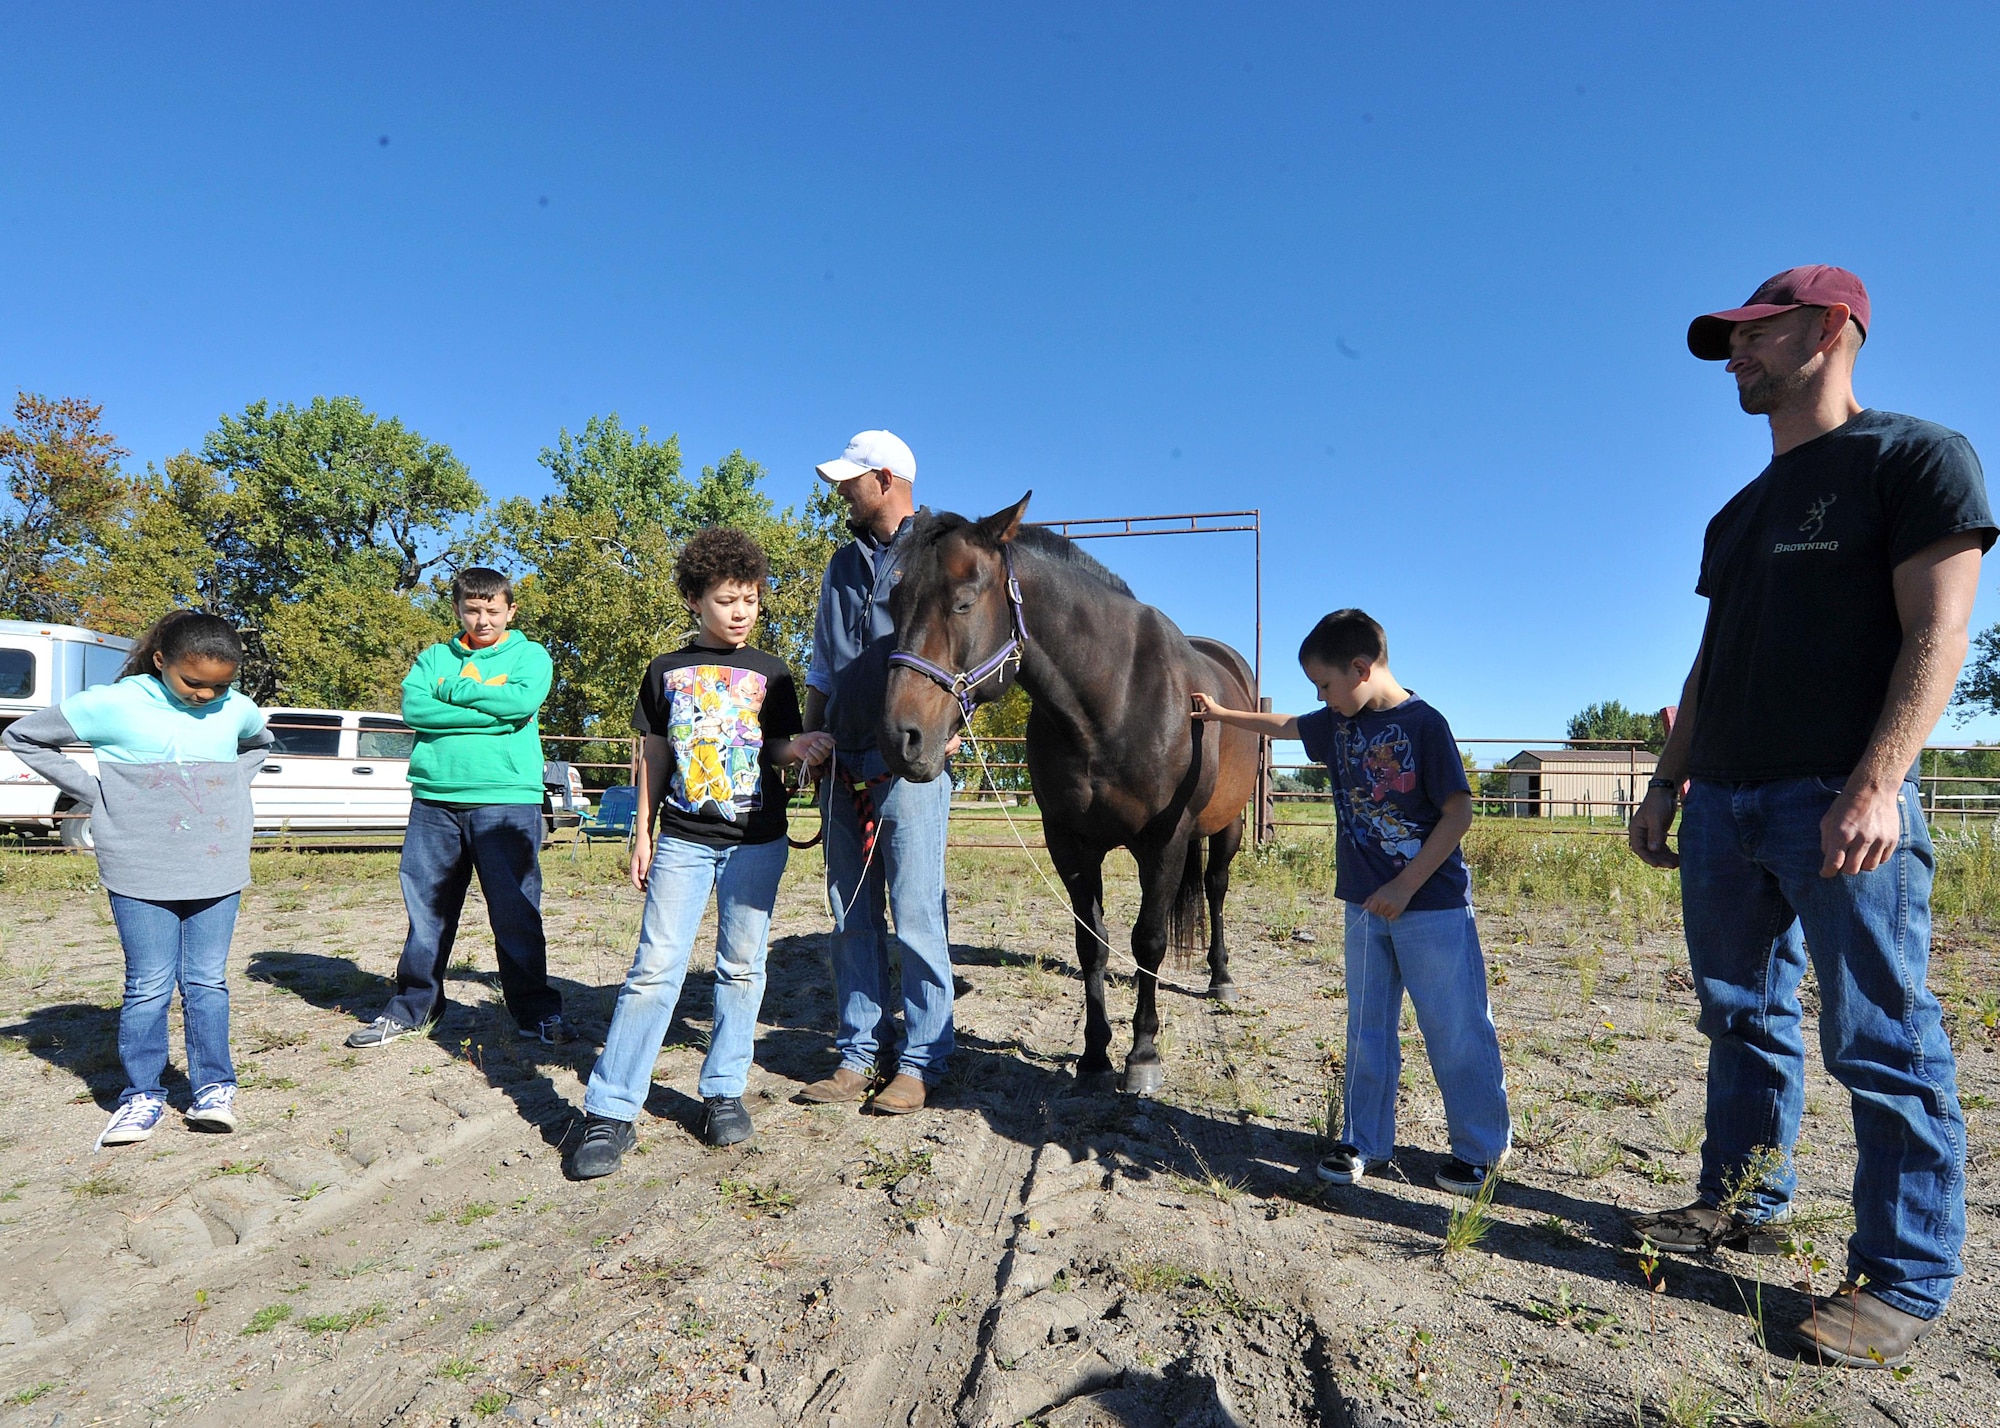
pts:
pixel 390 1237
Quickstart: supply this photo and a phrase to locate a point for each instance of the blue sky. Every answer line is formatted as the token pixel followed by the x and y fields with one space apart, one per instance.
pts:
pixel 1413 283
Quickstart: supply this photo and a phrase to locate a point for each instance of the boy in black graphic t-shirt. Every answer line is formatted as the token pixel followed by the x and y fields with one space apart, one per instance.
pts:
pixel 1403 805
pixel 718 719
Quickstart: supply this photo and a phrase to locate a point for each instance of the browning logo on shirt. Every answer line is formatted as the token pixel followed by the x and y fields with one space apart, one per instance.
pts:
pixel 1810 528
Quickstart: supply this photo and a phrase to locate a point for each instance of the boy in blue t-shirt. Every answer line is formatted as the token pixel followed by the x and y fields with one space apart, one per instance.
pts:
pixel 1403 804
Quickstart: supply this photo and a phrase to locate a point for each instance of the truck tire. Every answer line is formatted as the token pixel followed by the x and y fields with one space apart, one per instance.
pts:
pixel 73 832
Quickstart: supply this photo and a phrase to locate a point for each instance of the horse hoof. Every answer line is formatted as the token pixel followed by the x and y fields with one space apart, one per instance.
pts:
pixel 1096 1083
pixel 1144 1079
pixel 1222 991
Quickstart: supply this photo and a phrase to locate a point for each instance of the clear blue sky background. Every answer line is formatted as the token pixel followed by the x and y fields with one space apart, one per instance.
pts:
pixel 1413 282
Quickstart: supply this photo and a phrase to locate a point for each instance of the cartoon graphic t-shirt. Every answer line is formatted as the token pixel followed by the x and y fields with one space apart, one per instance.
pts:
pixel 717 709
pixel 1391 771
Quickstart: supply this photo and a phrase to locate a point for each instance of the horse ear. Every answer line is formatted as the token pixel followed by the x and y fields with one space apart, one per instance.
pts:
pixel 1001 526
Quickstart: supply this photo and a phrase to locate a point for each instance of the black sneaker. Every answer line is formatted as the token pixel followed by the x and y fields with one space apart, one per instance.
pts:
pixel 380 1032
pixel 550 1031
pixel 1461 1178
pixel 1344 1164
pixel 605 1142
pixel 724 1121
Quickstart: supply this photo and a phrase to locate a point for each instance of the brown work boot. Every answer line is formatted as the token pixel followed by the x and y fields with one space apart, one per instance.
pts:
pixel 1857 1330
pixel 846 1084
pixel 900 1096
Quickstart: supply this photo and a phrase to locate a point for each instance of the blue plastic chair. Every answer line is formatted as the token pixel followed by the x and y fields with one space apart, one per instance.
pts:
pixel 617 813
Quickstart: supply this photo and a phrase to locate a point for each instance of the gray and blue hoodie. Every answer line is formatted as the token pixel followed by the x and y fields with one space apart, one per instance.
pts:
pixel 170 805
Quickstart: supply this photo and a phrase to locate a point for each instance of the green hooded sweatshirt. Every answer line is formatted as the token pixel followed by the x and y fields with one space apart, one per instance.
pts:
pixel 478 738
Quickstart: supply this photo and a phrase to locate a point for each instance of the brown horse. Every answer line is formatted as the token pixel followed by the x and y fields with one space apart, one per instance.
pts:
pixel 1116 760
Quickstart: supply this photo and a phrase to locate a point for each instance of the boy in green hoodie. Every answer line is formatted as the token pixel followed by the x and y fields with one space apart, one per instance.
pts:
pixel 476 773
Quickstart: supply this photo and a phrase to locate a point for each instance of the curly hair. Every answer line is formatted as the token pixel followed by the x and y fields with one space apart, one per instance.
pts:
pixel 715 554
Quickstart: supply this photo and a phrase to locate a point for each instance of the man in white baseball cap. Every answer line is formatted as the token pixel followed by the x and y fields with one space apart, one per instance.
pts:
pixel 885 837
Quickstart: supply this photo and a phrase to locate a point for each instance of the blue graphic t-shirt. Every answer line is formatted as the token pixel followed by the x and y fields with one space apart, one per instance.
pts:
pixel 1391 770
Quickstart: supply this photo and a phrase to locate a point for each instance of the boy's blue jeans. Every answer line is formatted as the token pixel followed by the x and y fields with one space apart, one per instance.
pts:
pixel 1755 907
pixel 169 944
pixel 443 846
pixel 908 868
pixel 1435 956
pixel 745 881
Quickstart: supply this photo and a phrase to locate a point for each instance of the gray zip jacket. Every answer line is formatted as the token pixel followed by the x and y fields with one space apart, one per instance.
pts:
pixel 165 832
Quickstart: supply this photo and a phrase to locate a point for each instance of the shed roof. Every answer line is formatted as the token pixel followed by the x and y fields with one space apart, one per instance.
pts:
pixel 1620 758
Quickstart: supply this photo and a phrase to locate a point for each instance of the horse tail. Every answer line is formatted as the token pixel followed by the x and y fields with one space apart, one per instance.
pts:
pixel 1188 920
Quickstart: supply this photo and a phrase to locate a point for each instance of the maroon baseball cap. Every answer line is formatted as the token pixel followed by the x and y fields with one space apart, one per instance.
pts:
pixel 1816 285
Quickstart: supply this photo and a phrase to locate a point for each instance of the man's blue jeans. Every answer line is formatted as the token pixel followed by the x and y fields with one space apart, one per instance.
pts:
pixel 744 879
pixel 906 873
pixel 1755 907
pixel 445 843
pixel 169 944
pixel 1435 955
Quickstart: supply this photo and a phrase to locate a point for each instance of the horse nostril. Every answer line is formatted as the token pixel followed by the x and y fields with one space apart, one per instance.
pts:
pixel 913 744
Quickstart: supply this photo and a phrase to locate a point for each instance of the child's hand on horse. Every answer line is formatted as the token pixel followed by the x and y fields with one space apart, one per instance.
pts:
pixel 1207 709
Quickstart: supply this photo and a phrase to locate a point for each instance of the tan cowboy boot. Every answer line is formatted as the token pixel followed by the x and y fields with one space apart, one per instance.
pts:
pixel 1857 1330
pixel 900 1096
pixel 843 1085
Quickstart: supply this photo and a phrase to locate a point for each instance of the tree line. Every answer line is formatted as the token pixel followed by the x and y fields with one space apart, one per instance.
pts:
pixel 328 534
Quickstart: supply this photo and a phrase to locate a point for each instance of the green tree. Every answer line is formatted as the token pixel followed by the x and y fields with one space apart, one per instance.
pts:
pixel 598 553
pixel 156 552
pixel 1611 720
pixel 333 487
pixel 328 504
pixel 347 644
pixel 62 483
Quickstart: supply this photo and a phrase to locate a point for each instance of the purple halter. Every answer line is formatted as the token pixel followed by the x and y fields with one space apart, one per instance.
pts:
pixel 961 686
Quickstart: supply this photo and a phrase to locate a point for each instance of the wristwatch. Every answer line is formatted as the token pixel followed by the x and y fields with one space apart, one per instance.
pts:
pixel 1663 783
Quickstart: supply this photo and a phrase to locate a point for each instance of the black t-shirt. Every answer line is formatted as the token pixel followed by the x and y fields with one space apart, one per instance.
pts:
pixel 718 709
pixel 1802 626
pixel 1392 771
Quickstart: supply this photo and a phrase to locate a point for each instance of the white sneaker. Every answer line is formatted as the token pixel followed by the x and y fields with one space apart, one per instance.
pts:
pixel 133 1121
pixel 214 1108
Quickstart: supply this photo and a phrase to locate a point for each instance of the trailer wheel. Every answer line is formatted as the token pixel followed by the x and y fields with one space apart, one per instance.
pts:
pixel 74 832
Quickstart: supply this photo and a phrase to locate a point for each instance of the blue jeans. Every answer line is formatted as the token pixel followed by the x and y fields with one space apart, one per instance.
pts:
pixel 443 846
pixel 906 873
pixel 745 881
pixel 1755 907
pixel 169 944
pixel 1435 955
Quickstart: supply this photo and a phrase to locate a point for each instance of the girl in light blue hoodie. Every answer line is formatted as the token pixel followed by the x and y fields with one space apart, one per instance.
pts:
pixel 170 816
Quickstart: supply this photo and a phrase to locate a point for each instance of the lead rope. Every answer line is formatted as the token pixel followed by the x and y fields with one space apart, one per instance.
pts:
pixel 1056 888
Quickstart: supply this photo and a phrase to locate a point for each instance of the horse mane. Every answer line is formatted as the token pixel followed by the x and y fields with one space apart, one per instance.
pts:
pixel 1046 542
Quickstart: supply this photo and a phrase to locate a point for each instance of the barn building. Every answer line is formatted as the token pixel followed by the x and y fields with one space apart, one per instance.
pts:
pixel 1578 783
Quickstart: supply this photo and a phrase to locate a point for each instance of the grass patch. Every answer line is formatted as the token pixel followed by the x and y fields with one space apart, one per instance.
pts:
pixel 1471 1219
pixel 476 1211
pixel 752 1199
pixel 268 1318
pixel 490 1402
pixel 884 1168
pixel 346 1323
pixel 98 1185
pixel 457 1370
pixel 22 1397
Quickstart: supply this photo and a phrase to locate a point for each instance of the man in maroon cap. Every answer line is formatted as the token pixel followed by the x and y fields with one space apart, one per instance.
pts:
pixel 1840 585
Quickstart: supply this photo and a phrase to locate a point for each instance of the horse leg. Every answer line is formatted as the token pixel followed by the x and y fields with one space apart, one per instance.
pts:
pixel 1159 883
pixel 1222 849
pixel 1082 874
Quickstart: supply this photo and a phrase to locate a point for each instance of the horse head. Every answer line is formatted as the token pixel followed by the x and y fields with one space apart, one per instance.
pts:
pixel 958 634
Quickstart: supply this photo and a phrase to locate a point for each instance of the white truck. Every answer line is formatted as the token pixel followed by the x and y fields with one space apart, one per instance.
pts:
pixel 328 769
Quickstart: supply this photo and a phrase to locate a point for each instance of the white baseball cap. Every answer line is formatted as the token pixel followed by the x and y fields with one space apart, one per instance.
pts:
pixel 870 451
